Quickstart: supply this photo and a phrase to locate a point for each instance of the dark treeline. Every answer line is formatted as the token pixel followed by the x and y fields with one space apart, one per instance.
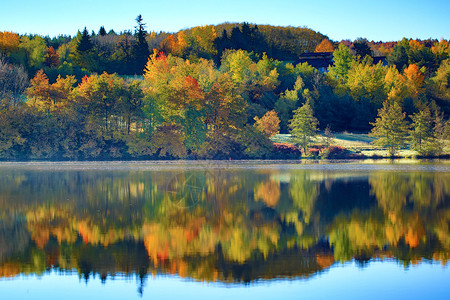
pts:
pixel 206 92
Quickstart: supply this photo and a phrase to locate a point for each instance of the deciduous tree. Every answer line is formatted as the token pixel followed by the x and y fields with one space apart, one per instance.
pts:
pixel 343 59
pixel 269 124
pixel 325 46
pixel 51 58
pixel 9 42
pixel 13 82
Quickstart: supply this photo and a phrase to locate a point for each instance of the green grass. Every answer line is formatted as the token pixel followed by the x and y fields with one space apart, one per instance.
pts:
pixel 357 143
pixel 282 138
pixel 353 137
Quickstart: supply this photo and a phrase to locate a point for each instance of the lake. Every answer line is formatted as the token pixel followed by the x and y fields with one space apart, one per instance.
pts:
pixel 220 230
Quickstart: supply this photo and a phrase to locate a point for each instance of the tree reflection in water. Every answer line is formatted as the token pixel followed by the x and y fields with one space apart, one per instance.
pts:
pixel 218 224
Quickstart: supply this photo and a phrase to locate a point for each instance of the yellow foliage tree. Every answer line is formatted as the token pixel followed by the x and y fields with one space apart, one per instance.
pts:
pixel 9 41
pixel 269 124
pixel 394 84
pixel 414 81
pixel 50 97
pixel 441 48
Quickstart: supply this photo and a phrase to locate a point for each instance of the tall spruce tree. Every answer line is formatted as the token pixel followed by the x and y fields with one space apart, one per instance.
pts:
pixel 102 31
pixel 84 55
pixel 84 44
pixel 141 51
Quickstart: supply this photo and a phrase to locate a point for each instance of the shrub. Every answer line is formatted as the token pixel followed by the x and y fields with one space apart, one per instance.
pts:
pixel 314 152
pixel 335 152
pixel 286 151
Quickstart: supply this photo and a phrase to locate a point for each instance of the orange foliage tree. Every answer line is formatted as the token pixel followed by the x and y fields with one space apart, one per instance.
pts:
pixel 9 41
pixel 325 46
pixel 269 123
pixel 50 97
pixel 414 80
pixel 51 58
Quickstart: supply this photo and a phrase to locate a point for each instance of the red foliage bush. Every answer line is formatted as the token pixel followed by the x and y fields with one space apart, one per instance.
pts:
pixel 318 146
pixel 335 152
pixel 314 151
pixel 286 151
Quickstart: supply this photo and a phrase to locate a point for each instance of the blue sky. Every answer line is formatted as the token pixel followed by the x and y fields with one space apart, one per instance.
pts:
pixel 338 19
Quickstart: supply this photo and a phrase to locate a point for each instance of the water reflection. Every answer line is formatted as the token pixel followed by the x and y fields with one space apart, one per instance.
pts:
pixel 218 224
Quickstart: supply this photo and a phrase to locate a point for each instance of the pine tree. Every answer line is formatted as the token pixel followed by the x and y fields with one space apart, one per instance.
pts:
pixel 303 125
pixel 422 132
pixel 85 55
pixel 390 127
pixel 102 31
pixel 84 44
pixel 441 130
pixel 141 51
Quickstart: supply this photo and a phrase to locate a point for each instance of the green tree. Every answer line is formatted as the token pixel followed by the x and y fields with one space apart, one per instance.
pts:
pixel 422 131
pixel 441 129
pixel 303 125
pixel 399 56
pixel 130 103
pixel 141 51
pixel 256 142
pixel 35 50
pixel 362 47
pixel 288 102
pixel 343 60
pixel 390 127
pixel 84 55
pixel 85 44
pixel 237 63
pixel 102 31
pixel 100 94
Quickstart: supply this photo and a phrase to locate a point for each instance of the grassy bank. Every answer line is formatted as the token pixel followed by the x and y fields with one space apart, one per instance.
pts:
pixel 356 144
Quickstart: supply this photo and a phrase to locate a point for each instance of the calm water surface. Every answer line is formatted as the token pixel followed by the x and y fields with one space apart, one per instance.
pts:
pixel 215 230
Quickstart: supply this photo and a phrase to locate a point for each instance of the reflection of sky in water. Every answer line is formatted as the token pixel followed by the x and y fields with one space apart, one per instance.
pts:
pixel 378 280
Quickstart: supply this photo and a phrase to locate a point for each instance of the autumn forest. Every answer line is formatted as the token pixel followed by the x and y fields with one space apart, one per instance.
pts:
pixel 214 92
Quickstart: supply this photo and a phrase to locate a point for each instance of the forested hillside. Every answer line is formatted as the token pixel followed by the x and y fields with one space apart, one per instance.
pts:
pixel 206 92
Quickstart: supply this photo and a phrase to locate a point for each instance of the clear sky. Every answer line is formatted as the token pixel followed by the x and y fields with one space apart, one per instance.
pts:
pixel 385 20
